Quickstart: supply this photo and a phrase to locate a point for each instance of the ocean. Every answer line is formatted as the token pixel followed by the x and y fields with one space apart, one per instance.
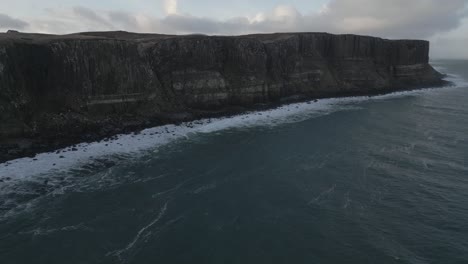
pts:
pixel 380 179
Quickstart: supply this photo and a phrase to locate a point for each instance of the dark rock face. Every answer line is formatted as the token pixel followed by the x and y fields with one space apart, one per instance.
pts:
pixel 60 89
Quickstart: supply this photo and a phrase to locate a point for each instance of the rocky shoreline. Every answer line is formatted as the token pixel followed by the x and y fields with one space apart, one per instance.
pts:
pixel 30 146
pixel 56 91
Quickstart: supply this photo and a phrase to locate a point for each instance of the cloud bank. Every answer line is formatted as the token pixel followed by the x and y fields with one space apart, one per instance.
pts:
pixel 384 18
pixel 12 23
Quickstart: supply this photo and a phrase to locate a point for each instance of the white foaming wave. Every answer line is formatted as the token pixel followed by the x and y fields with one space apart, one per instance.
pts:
pixel 43 232
pixel 141 232
pixel 135 144
pixel 458 81
pixel 455 80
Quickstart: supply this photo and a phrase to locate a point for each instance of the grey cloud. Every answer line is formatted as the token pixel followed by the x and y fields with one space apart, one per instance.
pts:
pixel 397 18
pixel 7 22
pixel 190 24
pixel 179 23
pixel 90 16
pixel 449 48
pixel 393 19
pixel 123 19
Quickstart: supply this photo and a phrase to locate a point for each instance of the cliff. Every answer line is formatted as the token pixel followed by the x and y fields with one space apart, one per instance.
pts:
pixel 56 90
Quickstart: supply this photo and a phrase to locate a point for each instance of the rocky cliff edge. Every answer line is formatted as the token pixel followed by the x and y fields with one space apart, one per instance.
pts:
pixel 61 89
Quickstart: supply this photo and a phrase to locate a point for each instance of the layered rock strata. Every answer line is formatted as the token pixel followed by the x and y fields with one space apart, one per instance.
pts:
pixel 56 90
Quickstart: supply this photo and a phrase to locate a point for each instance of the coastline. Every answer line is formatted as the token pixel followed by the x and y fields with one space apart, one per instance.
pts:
pixel 64 145
pixel 61 90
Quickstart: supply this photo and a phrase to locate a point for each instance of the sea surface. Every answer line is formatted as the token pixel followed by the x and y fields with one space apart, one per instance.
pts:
pixel 351 180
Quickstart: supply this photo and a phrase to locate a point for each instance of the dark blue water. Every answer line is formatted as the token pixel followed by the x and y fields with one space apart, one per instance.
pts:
pixel 362 181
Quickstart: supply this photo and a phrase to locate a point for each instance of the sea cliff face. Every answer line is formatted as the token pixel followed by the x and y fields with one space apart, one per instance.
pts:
pixel 56 90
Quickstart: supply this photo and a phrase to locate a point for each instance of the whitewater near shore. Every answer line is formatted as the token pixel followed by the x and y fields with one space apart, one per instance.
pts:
pixel 381 174
pixel 128 146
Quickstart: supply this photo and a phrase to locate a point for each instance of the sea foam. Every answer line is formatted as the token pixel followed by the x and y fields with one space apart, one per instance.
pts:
pixel 135 144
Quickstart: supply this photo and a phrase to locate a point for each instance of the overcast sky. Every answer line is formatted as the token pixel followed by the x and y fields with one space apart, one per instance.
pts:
pixel 443 22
